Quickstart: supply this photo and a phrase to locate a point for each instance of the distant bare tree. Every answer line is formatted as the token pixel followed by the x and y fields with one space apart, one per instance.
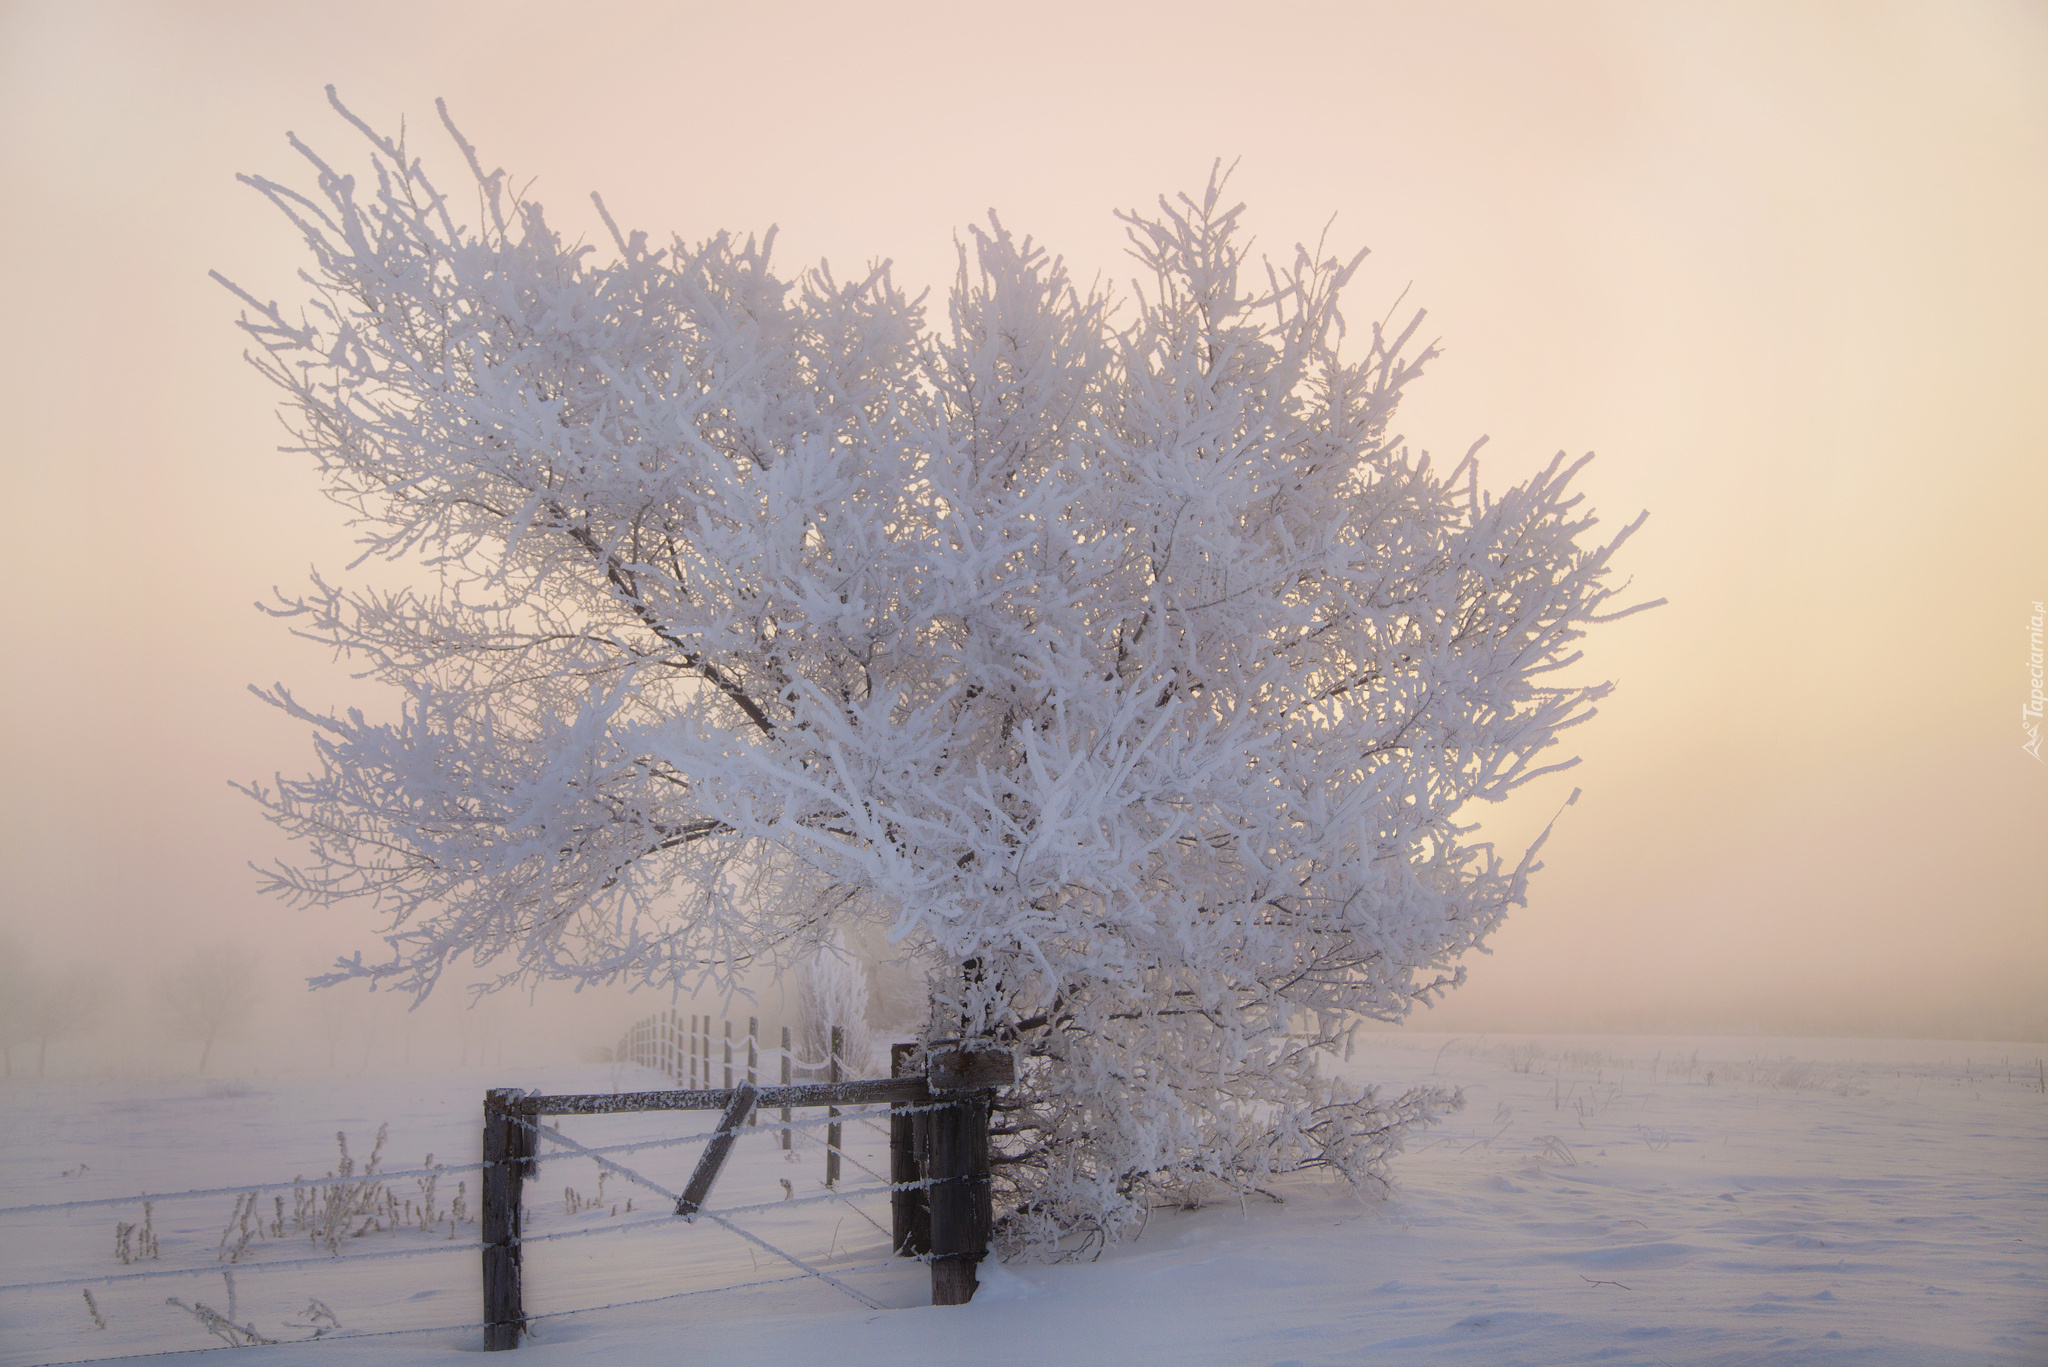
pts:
pixel 38 1007
pixel 61 1008
pixel 209 997
pixel 17 999
pixel 335 1013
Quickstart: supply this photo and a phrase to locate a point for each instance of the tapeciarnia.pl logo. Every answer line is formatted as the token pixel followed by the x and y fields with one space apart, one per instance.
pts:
pixel 2030 713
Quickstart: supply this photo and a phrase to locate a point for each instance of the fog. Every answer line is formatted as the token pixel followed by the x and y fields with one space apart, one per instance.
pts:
pixel 1779 266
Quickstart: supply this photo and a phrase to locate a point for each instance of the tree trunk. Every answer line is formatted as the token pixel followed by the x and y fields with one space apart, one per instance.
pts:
pixel 205 1053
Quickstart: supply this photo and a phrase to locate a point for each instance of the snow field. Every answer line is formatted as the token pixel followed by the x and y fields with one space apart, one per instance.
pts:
pixel 1613 1200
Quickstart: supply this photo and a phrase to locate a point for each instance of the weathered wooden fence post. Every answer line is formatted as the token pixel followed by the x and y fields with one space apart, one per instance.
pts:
pixel 753 1060
pixel 962 1207
pixel 785 1082
pixel 508 1153
pixel 910 1216
pixel 832 1134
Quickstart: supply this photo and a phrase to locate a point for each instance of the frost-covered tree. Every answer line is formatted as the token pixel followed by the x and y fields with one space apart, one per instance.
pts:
pixel 1116 653
pixel 832 990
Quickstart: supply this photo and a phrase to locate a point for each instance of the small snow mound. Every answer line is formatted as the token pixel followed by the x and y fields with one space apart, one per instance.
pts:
pixel 1629 1255
pixel 998 1283
pixel 1786 1241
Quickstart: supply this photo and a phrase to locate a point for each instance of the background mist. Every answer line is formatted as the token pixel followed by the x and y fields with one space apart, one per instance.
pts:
pixel 1780 266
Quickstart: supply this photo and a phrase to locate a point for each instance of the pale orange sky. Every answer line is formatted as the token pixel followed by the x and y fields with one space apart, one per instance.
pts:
pixel 1780 265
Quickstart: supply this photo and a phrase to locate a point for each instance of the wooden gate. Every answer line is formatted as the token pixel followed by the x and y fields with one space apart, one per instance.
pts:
pixel 938 1162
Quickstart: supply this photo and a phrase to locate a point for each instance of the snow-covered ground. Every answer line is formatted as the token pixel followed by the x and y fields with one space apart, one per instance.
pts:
pixel 1600 1199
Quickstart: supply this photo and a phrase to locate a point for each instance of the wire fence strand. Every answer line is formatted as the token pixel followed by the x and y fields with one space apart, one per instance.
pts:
pixel 567 1148
pixel 449 1170
pixel 245 1187
pixel 331 1260
pixel 346 1335
pixel 550 1132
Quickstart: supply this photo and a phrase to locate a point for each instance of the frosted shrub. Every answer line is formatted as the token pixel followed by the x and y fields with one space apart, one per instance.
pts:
pixel 832 990
pixel 1116 655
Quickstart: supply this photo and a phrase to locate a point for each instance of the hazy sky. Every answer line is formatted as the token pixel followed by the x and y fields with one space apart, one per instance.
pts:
pixel 1780 265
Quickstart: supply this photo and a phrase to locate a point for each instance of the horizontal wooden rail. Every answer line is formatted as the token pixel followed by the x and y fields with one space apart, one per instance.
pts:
pixel 908 1091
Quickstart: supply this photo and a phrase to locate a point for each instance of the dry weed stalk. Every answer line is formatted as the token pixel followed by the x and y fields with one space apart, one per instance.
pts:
pixel 133 1242
pixel 349 1205
pixel 223 1326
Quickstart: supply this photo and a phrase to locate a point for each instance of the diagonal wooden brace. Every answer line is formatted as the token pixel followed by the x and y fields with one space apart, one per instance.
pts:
pixel 736 1112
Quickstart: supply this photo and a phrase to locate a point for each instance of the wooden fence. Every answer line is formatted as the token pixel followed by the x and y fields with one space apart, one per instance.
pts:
pixel 939 1155
pixel 687 1048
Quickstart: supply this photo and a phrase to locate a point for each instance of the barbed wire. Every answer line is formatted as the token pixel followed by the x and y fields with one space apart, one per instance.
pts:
pixel 328 1261
pixel 574 1149
pixel 245 1187
pixel 545 1315
pixel 550 1132
pixel 623 1226
pixel 225 1347
pixel 870 1115
pixel 331 1260
pixel 771 1126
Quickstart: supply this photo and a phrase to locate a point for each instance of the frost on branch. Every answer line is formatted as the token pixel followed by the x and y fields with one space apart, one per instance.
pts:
pixel 833 992
pixel 1118 658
